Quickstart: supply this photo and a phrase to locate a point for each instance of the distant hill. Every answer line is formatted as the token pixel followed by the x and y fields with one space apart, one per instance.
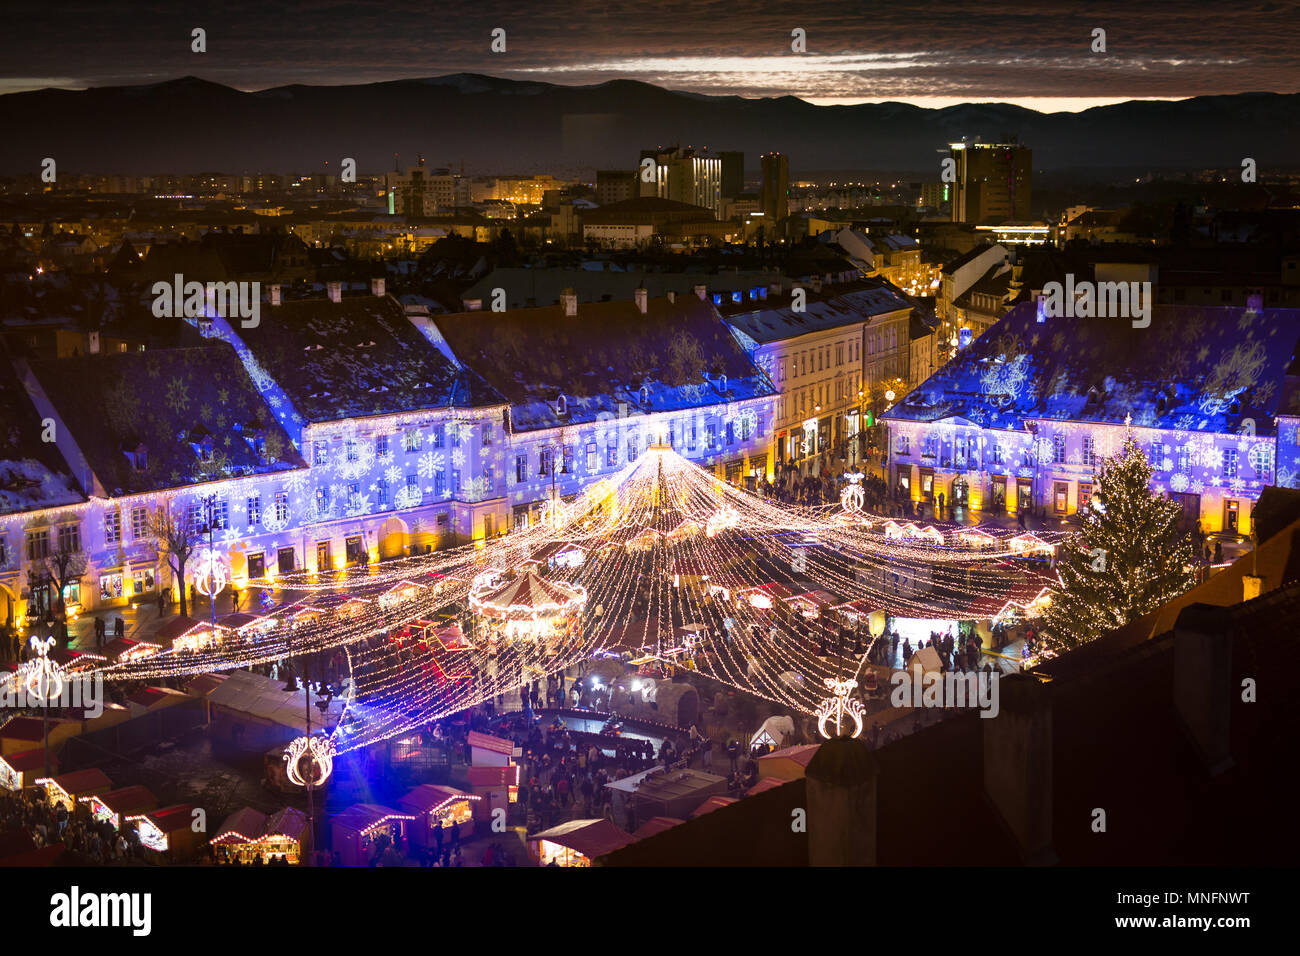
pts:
pixel 498 125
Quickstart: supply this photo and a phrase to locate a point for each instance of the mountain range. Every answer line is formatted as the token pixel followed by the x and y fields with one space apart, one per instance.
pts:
pixel 496 125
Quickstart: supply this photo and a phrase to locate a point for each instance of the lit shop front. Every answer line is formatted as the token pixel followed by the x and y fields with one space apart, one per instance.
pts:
pixel 438 808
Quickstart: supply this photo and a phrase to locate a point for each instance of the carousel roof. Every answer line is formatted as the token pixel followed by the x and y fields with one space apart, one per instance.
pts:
pixel 529 592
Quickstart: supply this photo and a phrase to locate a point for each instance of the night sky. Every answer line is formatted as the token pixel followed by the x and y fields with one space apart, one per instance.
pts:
pixel 1031 52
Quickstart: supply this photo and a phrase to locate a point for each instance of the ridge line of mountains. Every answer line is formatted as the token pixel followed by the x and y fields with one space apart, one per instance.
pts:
pixel 496 125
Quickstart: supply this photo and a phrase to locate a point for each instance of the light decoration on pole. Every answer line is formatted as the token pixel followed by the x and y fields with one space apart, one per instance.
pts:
pixel 555 513
pixel 42 677
pixel 839 706
pixel 317 752
pixel 209 574
pixel 853 497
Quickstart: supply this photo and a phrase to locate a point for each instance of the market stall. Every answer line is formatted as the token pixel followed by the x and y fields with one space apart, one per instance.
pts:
pixel 437 807
pixel 361 826
pixel 169 830
pixel 21 770
pixel 577 842
pixel 68 788
pixel 113 806
pixel 247 836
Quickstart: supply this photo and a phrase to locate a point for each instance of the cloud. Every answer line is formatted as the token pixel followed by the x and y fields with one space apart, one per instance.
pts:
pixel 924 49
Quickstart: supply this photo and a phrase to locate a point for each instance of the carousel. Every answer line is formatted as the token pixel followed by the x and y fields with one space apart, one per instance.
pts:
pixel 526 608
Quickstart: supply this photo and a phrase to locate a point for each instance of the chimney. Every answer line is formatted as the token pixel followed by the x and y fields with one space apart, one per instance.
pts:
pixel 273 293
pixel 841 780
pixel 334 290
pixel 700 292
pixel 642 299
pixel 569 299
pixel 377 287
pixel 1018 765
pixel 1203 688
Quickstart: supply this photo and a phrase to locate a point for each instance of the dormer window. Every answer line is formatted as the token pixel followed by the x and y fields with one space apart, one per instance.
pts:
pixel 562 406
pixel 138 457
pixel 206 447
pixel 645 395
pixel 1162 404
pixel 722 384
pixel 1234 407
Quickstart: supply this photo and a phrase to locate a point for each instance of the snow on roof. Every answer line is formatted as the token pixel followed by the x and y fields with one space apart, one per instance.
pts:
pixel 178 403
pixel 602 357
pixel 361 356
pixel 1194 369
pixel 32 473
pixel 828 310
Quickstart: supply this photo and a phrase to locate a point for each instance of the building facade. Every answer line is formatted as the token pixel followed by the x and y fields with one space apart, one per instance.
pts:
pixel 1023 420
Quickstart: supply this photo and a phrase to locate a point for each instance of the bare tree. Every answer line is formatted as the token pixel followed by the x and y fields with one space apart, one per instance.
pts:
pixel 62 568
pixel 178 539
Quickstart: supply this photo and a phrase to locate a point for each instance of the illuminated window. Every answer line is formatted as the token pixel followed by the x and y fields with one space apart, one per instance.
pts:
pixel 139 522
pixel 112 528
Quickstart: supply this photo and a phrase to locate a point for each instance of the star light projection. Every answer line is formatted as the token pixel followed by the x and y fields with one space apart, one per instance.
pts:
pixel 663 559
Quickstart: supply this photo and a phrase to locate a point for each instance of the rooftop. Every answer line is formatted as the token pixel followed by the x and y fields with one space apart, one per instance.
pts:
pixel 1194 369
pixel 602 357
pixel 357 357
pixel 180 404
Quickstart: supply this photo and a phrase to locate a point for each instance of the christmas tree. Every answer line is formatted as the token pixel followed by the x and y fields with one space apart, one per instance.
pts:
pixel 1130 557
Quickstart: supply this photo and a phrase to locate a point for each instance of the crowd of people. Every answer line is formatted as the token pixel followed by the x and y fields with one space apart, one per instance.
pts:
pixel 88 842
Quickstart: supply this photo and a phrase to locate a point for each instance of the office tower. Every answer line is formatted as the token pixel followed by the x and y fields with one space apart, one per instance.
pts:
pixel 775 195
pixel 993 182
pixel 733 174
pixel 684 175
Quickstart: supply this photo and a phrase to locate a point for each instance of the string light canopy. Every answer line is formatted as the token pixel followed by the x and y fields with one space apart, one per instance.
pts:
pixel 679 569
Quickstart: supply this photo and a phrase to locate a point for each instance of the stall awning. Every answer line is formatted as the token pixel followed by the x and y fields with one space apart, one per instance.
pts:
pixel 591 838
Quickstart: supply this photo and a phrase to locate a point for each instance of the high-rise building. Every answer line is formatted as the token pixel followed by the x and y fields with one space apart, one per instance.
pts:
pixel 992 182
pixel 733 174
pixel 775 196
pixel 424 191
pixel 684 175
pixel 615 185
